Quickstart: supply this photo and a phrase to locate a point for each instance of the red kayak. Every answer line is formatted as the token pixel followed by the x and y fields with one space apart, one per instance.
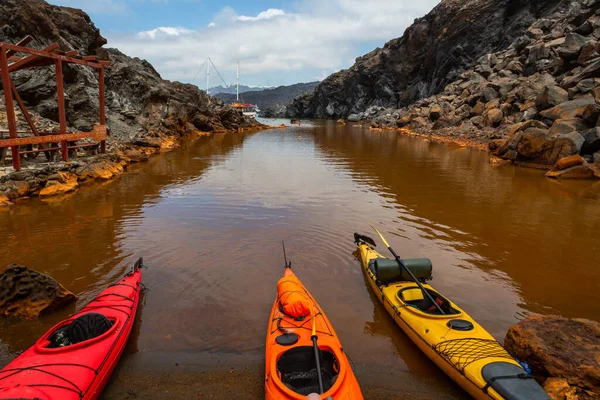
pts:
pixel 75 358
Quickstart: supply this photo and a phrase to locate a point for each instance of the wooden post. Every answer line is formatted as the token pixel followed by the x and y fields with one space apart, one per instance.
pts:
pixel 102 106
pixel 10 110
pixel 62 119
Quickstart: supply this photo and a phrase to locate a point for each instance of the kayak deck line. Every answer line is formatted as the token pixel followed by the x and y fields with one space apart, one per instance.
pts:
pixel 464 351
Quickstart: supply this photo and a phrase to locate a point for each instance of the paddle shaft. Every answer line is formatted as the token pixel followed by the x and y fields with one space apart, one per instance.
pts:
pixel 316 347
pixel 425 292
pixel 318 362
pixel 399 260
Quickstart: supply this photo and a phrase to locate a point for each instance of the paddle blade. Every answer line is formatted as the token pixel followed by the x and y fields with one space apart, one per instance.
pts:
pixel 381 236
pixel 362 238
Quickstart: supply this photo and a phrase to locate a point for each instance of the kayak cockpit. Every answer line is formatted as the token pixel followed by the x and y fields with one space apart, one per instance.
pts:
pixel 413 296
pixel 77 332
pixel 298 372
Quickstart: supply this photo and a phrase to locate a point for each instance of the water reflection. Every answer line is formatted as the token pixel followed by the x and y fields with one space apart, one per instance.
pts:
pixel 209 219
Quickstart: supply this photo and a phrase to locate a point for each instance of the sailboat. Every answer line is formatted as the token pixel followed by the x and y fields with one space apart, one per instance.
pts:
pixel 250 110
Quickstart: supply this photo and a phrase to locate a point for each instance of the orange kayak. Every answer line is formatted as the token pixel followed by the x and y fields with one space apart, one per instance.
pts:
pixel 291 359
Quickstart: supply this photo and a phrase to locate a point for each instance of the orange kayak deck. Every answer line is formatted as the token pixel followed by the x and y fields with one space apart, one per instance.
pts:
pixel 290 370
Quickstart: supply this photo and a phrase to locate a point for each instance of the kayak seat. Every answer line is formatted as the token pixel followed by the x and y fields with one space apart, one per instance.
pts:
pixel 512 382
pixel 298 371
pixel 88 326
pixel 413 296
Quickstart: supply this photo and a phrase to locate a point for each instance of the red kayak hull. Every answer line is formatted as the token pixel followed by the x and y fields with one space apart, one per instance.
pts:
pixel 78 371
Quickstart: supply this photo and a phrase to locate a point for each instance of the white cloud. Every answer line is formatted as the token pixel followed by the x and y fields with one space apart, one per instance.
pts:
pixel 275 46
pixel 270 13
pixel 164 31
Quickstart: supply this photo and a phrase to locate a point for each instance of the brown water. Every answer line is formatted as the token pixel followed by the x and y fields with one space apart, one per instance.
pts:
pixel 209 218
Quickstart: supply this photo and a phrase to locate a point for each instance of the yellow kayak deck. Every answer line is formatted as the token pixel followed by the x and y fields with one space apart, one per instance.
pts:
pixel 454 341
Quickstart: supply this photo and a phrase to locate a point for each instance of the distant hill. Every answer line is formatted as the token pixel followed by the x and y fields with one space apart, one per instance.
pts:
pixel 270 100
pixel 243 89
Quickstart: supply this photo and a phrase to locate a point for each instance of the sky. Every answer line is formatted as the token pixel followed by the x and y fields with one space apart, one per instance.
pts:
pixel 276 42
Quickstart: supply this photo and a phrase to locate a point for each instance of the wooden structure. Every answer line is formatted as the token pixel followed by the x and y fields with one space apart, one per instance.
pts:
pixel 46 142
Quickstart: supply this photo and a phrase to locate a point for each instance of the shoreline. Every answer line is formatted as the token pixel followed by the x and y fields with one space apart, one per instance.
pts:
pixel 52 179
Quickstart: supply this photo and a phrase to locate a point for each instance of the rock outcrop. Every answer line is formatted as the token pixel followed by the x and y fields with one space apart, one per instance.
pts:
pixel 535 102
pixel 29 294
pixel 144 112
pixel 432 53
pixel 563 353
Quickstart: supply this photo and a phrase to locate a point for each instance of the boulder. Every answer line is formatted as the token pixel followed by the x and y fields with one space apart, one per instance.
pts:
pixel 537 147
pixel 591 143
pixel 446 121
pixel 559 348
pixel 493 117
pixel 588 52
pixel 14 189
pixel 353 117
pixel 59 183
pixel 25 293
pixel 587 85
pixel 101 170
pixel 550 97
pixel 569 109
pixel 435 112
pixel 478 109
pixel 538 52
pixel 489 94
pixel 417 123
pixel 572 47
pixel 4 201
pixel 582 171
pixel 515 66
pixel 562 126
pixel 591 70
pixel 596 158
pixel 569 162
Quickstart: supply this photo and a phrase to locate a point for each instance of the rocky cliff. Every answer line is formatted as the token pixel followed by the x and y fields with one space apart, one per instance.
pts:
pixel 144 112
pixel 432 53
pixel 139 101
pixel 535 103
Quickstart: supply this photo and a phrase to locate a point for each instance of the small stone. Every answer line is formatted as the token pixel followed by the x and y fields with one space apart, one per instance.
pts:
pixel 535 33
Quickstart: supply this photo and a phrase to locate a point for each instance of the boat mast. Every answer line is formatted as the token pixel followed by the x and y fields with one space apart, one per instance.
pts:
pixel 237 93
pixel 207 74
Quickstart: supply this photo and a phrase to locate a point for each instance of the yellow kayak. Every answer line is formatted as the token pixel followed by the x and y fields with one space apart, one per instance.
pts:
pixel 465 351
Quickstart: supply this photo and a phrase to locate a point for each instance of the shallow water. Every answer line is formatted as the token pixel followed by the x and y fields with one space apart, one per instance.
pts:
pixel 209 219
